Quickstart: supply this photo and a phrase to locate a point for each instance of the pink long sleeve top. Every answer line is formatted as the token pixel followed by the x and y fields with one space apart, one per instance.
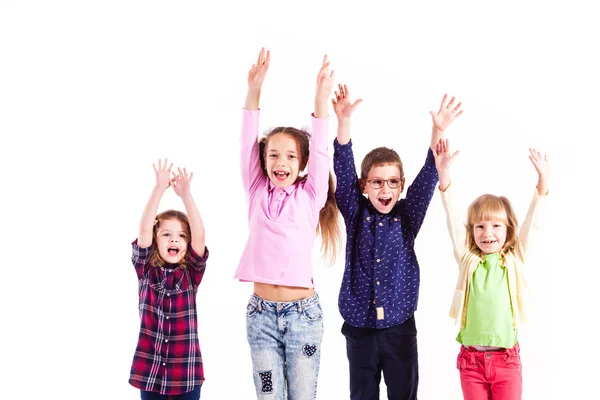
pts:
pixel 282 222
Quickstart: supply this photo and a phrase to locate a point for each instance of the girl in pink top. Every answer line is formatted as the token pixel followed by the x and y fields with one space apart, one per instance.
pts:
pixel 286 211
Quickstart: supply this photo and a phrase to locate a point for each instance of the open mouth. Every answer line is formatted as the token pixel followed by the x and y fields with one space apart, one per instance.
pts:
pixel 384 202
pixel 173 251
pixel 281 175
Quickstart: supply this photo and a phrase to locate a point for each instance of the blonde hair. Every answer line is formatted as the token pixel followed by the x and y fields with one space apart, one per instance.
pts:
pixel 155 259
pixel 488 207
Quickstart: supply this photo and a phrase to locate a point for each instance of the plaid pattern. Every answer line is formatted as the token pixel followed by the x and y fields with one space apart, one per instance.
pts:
pixel 167 358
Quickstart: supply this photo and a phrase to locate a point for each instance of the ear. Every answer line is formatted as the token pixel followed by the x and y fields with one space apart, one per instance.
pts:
pixel 402 185
pixel 363 186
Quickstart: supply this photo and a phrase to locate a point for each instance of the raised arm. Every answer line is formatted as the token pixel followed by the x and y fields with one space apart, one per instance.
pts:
pixel 456 227
pixel 163 181
pixel 442 119
pixel 317 182
pixel 256 77
pixel 343 110
pixel 443 161
pixel 542 167
pixel 249 149
pixel 323 90
pixel 534 218
pixel 181 184
pixel 347 191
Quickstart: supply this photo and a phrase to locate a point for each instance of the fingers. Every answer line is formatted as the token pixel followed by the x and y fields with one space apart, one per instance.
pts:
pixel 443 103
pixel 449 105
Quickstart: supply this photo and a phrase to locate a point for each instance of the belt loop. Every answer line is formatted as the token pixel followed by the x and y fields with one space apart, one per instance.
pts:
pixel 299 305
pixel 260 308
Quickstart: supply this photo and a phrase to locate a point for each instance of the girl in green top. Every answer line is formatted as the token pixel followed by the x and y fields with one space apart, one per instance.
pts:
pixel 490 300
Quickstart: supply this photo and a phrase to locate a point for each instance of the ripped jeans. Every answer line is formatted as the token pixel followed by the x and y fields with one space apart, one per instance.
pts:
pixel 285 344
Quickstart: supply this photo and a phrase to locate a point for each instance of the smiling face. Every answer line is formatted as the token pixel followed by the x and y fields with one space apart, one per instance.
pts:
pixel 377 187
pixel 282 159
pixel 489 236
pixel 171 240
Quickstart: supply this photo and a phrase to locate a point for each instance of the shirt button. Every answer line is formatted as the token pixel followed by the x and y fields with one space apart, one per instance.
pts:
pixel 395 219
pixel 374 301
pixel 380 224
pixel 166 340
pixel 368 218
pixel 377 283
pixel 167 317
pixel 168 294
pixel 164 364
pixel 378 260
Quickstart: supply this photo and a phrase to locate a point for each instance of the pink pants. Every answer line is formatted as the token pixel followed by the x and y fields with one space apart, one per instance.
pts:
pixel 494 375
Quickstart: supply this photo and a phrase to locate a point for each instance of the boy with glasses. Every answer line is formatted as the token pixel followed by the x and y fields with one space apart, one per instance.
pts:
pixel 380 286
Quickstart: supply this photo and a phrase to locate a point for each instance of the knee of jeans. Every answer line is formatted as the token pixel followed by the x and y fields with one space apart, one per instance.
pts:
pixel 266 381
pixel 309 350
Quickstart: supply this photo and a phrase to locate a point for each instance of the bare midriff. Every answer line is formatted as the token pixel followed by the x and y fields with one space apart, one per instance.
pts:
pixel 270 292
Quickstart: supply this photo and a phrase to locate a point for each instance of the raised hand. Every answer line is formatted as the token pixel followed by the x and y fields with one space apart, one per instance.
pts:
pixel 542 166
pixel 443 156
pixel 257 73
pixel 324 80
pixel 443 160
pixel 341 103
pixel 446 114
pixel 163 174
pixel 181 182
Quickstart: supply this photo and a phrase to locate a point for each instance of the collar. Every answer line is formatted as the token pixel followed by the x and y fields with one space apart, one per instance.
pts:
pixel 288 189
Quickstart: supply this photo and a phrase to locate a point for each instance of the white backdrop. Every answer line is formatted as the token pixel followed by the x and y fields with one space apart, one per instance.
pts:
pixel 92 93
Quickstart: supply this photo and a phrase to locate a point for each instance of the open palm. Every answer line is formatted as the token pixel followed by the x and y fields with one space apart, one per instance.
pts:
pixel 446 114
pixel 257 73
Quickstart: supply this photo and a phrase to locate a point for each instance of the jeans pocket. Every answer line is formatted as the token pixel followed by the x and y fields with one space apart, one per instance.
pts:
pixel 464 361
pixel 251 310
pixel 312 314
pixel 512 361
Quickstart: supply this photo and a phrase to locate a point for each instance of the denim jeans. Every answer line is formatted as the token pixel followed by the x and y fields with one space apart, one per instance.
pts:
pixel 392 351
pixel 494 375
pixel 285 345
pixel 193 395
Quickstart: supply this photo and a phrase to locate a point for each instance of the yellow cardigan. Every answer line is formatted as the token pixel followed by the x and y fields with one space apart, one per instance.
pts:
pixel 468 261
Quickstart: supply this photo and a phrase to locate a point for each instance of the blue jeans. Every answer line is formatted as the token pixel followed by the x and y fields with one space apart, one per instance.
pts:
pixel 193 395
pixel 285 345
pixel 392 351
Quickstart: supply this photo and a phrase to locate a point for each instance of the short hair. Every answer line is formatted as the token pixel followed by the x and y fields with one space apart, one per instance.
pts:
pixel 378 157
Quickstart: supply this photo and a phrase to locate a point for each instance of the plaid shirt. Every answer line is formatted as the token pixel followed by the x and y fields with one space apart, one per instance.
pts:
pixel 167 358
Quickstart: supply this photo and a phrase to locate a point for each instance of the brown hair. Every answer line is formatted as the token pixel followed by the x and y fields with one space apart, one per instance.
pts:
pixel 488 207
pixel 328 226
pixel 155 259
pixel 378 157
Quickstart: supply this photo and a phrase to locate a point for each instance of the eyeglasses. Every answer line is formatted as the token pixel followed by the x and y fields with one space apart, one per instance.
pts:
pixel 393 183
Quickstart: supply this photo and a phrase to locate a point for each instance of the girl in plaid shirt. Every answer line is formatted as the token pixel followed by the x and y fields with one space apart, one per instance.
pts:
pixel 169 257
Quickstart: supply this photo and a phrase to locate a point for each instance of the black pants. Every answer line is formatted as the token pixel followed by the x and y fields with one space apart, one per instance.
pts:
pixel 392 350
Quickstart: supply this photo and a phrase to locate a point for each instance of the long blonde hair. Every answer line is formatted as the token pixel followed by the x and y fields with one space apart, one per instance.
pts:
pixel 489 207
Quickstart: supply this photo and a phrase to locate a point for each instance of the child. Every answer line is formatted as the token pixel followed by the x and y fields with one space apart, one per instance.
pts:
pixel 489 302
pixel 169 257
pixel 284 317
pixel 380 286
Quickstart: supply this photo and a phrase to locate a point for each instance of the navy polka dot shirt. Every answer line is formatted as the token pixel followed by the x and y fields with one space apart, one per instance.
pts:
pixel 380 287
